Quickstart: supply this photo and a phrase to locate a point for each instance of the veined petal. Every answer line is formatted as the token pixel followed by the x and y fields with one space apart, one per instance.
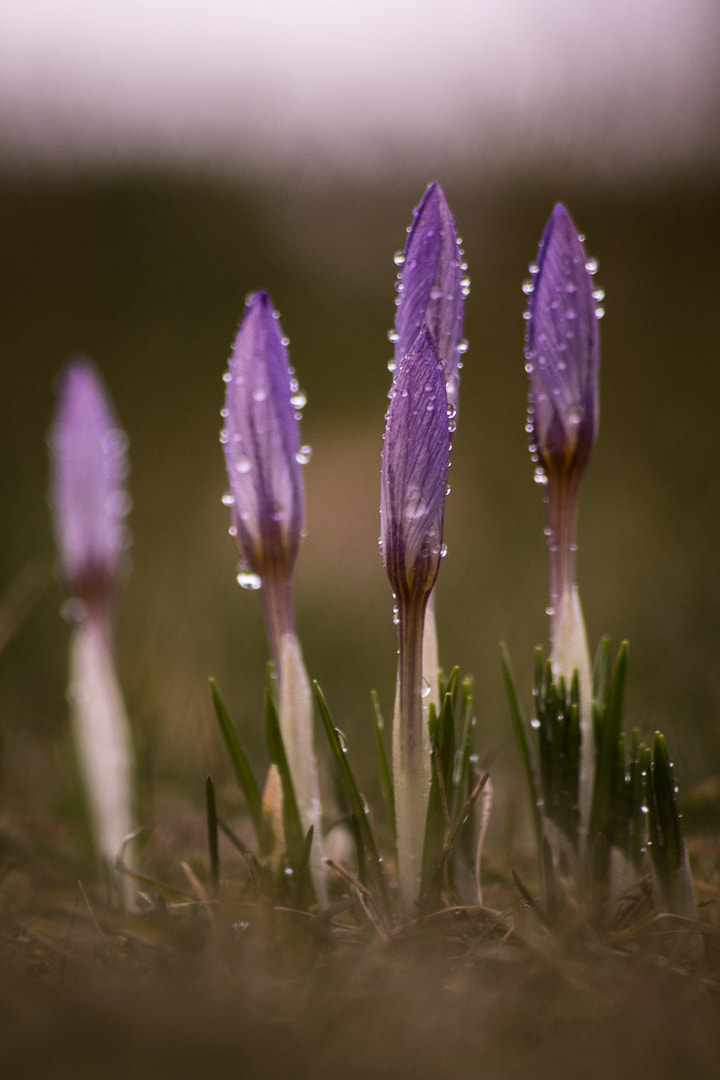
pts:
pixel 414 471
pixel 261 441
pixel 431 286
pixel 562 347
pixel 88 469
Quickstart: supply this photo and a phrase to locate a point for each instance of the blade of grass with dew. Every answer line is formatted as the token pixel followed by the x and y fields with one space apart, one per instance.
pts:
pixel 356 802
pixel 243 771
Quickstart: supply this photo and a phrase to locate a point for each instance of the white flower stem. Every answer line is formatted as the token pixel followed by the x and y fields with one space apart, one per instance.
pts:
pixel 296 725
pixel 411 754
pixel 103 742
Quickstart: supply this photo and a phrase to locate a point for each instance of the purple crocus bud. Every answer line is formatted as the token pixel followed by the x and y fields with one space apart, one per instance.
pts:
pixel 562 360
pixel 414 472
pixel 412 503
pixel 562 350
pixel 261 443
pixel 88 495
pixel 432 286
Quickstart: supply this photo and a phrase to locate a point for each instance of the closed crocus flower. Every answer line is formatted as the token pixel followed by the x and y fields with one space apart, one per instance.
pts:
pixel 262 444
pixel 562 351
pixel 263 455
pixel 413 486
pixel 89 503
pixel 562 360
pixel 88 454
pixel 432 286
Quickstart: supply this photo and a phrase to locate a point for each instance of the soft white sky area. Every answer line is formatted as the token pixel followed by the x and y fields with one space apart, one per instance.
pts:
pixel 363 85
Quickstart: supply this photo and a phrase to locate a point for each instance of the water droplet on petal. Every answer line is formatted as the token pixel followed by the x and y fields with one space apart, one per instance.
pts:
pixel 303 455
pixel 540 476
pixel 399 258
pixel 591 266
pixel 242 465
pixel 393 336
pixel 435 292
pixel 228 499
pixel 246 579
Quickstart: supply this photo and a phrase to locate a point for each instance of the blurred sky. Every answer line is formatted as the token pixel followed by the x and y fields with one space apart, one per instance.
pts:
pixel 622 84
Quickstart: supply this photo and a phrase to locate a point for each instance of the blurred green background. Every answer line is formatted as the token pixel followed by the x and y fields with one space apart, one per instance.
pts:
pixel 146 270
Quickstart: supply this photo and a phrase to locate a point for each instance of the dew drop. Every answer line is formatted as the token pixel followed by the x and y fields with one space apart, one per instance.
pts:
pixel 598 294
pixel 535 723
pixel 591 266
pixel 528 288
pixel 435 292
pixel 228 499
pixel 232 531
pixel 227 377
pixel 299 400
pixel 243 465
pixel 246 579
pixel 599 312
pixel 534 269
pixel 540 476
pixel 399 258
pixel 529 368
pixel 426 689
pixel 303 455
pixel 463 347
pixel 393 336
pixel 260 394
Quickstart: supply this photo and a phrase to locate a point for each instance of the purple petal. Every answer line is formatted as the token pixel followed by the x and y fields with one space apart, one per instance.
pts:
pixel 88 494
pixel 414 471
pixel 261 441
pixel 562 346
pixel 432 288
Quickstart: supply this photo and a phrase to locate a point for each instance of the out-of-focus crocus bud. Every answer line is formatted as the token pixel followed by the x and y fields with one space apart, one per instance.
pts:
pixel 89 503
pixel 414 478
pixel 432 285
pixel 263 456
pixel 88 493
pixel 562 360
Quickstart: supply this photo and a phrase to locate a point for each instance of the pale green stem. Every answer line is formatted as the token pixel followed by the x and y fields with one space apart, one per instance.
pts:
pixel 430 664
pixel 296 725
pixel 296 716
pixel 411 758
pixel 567 627
pixel 103 742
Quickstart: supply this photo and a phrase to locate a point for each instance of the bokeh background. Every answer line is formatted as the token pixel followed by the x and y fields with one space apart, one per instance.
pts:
pixel 159 160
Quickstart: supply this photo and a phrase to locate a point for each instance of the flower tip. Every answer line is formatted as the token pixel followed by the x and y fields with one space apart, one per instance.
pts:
pixel 88 457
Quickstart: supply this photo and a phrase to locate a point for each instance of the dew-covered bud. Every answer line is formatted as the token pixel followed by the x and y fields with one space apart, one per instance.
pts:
pixel 432 286
pixel 562 350
pixel 262 444
pixel 414 472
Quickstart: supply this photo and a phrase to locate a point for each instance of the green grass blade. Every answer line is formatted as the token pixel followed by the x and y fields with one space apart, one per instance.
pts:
pixel 242 770
pixel 295 840
pixel 356 802
pixel 212 827
pixel 605 768
pixel 384 773
pixel 523 744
